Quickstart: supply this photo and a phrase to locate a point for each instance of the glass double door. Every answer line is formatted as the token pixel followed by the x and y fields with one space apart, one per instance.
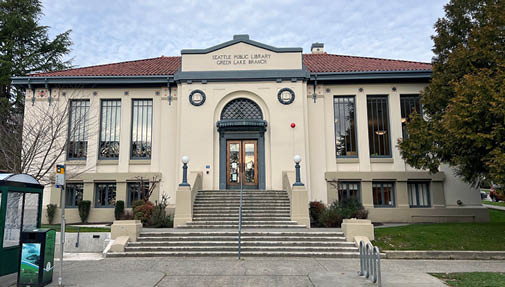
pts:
pixel 242 163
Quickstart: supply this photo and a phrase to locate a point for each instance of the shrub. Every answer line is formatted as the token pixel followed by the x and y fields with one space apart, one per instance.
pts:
pixel 84 207
pixel 51 212
pixel 144 213
pixel 118 209
pixel 127 215
pixel 331 217
pixel 315 210
pixel 137 203
pixel 160 218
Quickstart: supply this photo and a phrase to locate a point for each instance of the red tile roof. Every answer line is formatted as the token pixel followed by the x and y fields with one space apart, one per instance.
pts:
pixel 318 63
pixel 321 63
pixel 146 67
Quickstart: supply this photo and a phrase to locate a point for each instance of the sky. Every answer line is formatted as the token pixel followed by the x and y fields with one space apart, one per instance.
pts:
pixel 109 31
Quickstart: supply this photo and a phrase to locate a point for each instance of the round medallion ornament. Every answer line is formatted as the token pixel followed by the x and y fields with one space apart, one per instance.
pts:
pixel 197 98
pixel 286 96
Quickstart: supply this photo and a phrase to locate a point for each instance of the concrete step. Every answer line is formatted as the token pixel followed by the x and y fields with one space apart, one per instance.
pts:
pixel 224 226
pixel 287 222
pixel 268 233
pixel 237 200
pixel 244 208
pixel 234 242
pixel 243 248
pixel 234 253
pixel 244 218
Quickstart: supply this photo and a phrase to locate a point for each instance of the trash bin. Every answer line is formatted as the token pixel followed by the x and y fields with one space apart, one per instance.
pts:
pixel 37 257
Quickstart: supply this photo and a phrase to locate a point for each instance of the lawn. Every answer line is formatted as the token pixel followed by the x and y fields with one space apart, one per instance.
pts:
pixel 445 236
pixel 501 203
pixel 471 279
pixel 73 228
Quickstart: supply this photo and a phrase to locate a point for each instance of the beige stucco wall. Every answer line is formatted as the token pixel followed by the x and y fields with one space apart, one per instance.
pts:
pixel 238 57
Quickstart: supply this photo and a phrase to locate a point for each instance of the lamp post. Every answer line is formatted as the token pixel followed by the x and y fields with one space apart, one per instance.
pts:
pixel 185 160
pixel 297 160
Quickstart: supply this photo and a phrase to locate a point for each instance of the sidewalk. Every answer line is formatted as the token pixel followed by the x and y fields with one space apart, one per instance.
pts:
pixel 494 207
pixel 210 271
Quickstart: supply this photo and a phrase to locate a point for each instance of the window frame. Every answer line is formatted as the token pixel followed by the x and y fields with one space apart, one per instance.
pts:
pixel 85 132
pixel 428 193
pixel 129 191
pixel 131 129
pixel 100 130
pixel 347 183
pixel 388 126
pixel 73 205
pixel 405 100
pixel 393 194
pixel 109 183
pixel 355 129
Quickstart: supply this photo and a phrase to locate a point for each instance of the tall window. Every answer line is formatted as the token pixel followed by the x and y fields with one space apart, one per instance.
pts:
pixel 110 125
pixel 142 122
pixel 349 190
pixel 419 194
pixel 383 194
pixel 135 191
pixel 378 126
pixel 409 104
pixel 105 194
pixel 345 126
pixel 78 129
pixel 73 194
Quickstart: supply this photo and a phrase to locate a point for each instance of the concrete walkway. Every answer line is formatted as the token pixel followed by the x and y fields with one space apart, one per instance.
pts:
pixel 209 271
pixel 494 207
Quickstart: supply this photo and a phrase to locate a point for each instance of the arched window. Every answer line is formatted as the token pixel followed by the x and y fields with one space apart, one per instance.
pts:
pixel 241 109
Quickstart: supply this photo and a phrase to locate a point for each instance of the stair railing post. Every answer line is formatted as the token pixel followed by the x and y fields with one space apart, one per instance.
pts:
pixel 240 210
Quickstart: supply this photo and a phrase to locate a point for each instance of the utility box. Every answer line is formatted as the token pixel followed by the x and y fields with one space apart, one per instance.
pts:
pixel 37 257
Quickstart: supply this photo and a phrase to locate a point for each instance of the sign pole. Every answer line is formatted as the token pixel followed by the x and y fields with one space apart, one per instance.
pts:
pixel 60 182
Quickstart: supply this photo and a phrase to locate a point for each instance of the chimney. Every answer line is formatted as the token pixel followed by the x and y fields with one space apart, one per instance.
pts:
pixel 317 48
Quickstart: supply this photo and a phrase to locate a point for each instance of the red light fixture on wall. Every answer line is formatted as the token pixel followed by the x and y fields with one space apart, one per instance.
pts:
pixel 293 125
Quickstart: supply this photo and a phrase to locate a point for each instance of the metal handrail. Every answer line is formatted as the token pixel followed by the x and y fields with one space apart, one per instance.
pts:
pixel 240 213
pixel 370 262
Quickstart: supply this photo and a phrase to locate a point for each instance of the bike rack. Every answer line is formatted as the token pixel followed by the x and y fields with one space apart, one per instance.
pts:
pixel 370 262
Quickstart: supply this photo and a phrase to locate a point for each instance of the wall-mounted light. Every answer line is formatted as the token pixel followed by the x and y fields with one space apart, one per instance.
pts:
pixel 360 90
pixel 380 133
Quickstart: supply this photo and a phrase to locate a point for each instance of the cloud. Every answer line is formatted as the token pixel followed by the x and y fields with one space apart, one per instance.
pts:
pixel 113 31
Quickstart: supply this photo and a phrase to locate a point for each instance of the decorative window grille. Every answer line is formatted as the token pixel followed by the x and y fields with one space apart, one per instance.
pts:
pixel 349 190
pixel 419 194
pixel 74 192
pixel 142 123
pixel 345 126
pixel 110 126
pixel 378 126
pixel 105 194
pixel 135 191
pixel 409 104
pixel 383 194
pixel 78 130
pixel 241 109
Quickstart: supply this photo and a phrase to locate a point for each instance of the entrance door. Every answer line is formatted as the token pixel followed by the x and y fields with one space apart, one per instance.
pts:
pixel 242 163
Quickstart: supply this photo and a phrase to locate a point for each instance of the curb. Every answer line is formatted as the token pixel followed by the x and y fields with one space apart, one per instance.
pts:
pixel 458 255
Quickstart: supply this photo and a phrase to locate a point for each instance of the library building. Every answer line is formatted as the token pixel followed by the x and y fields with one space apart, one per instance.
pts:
pixel 246 115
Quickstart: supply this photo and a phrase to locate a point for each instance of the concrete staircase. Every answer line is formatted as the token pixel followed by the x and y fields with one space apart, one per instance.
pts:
pixel 254 243
pixel 268 231
pixel 218 209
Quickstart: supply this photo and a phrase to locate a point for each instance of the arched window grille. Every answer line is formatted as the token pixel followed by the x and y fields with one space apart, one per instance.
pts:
pixel 241 109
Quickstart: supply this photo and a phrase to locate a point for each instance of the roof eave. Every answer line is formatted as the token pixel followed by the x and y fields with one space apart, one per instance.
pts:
pixel 371 75
pixel 69 80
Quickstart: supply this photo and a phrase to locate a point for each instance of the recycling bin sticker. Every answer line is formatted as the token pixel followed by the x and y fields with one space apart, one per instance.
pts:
pixel 30 262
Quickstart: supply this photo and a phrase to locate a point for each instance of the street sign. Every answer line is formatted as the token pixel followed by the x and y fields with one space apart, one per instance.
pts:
pixel 60 175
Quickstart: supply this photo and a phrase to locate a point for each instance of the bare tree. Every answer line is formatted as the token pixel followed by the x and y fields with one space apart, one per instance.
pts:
pixel 146 186
pixel 40 140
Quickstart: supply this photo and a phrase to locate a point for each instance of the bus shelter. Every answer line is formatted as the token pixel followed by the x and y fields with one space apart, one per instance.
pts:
pixel 20 210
